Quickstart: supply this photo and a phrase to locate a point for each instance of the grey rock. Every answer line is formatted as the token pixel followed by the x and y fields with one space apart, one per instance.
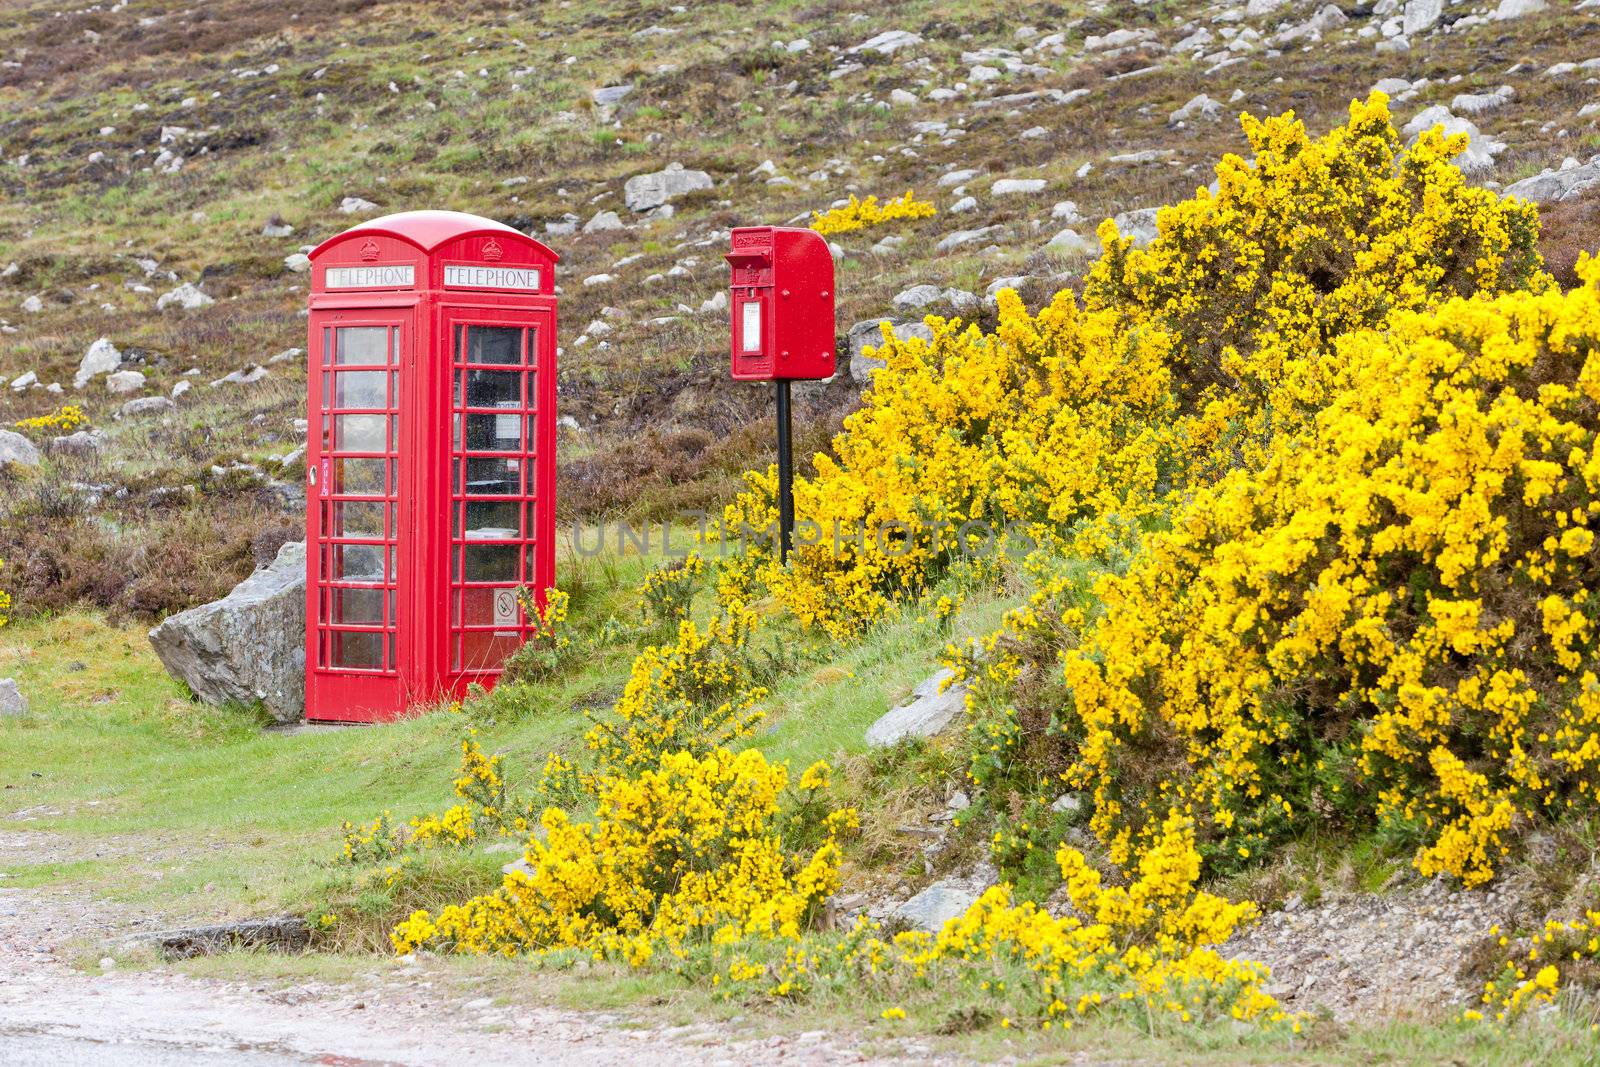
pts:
pixel 1515 9
pixel 186 296
pixel 287 933
pixel 101 358
pixel 643 192
pixel 1117 39
pixel 1553 186
pixel 602 222
pixel 277 228
pixel 966 203
pixel 23 380
pixel 297 262
pixel 1139 224
pixel 966 237
pixel 608 97
pixel 1066 803
pixel 12 702
pixel 957 177
pixel 248 646
pixel 917 297
pixel 1015 186
pixel 962 300
pixel 888 42
pixel 125 381
pixel 352 205
pixel 16 450
pixel 925 714
pixel 146 405
pixel 1198 107
pixel 1478 103
pixel 868 334
pixel 1421 15
pixel 1071 243
pixel 247 375
pixel 82 443
pixel 1010 281
pixel 936 905
pixel 1477 158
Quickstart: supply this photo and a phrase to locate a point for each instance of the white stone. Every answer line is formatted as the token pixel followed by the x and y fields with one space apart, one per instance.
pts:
pixel 967 237
pixel 925 714
pixel 298 262
pixel 715 304
pixel 888 42
pixel 22 381
pixel 246 375
pixel 1014 186
pixel 1066 212
pixel 32 305
pixel 248 646
pixel 125 381
pixel 1139 224
pixel 981 74
pixel 182 387
pixel 1420 15
pixel 1477 158
pixel 17 450
pixel 1199 107
pixel 966 203
pixel 916 297
pixel 864 338
pixel 936 905
pixel 186 296
pixel 956 177
pixel 643 192
pixel 146 405
pixel 12 702
pixel 1117 39
pixel 602 222
pixel 1515 9
pixel 901 98
pixel 352 205
pixel 1070 242
pixel 101 358
pixel 277 229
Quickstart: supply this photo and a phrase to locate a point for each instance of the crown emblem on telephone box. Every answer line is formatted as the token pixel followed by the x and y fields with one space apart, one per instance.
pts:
pixel 369 251
pixel 492 250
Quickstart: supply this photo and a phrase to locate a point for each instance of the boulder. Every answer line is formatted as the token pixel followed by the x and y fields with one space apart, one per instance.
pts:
pixel 16 450
pixel 603 221
pixel 186 296
pixel 1199 107
pixel 917 297
pixel 24 380
pixel 867 334
pixel 1420 15
pixel 82 443
pixel 12 702
pixel 297 262
pixel 643 192
pixel 1515 9
pixel 936 905
pixel 1014 186
pixel 352 205
pixel 1481 148
pixel 966 237
pixel 1070 242
pixel 1552 186
pixel 888 42
pixel 125 381
pixel 248 646
pixel 146 405
pixel 101 358
pixel 925 714
pixel 276 227
pixel 1139 224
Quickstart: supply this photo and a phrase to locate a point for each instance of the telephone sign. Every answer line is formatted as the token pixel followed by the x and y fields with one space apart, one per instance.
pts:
pixel 430 466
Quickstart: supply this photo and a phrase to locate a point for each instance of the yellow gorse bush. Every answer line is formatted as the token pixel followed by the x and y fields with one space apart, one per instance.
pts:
pixel 858 214
pixel 685 851
pixel 1403 590
pixel 1535 976
pixel 65 419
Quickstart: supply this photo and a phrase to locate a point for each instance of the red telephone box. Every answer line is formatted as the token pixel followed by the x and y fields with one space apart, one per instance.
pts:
pixel 430 458
pixel 782 301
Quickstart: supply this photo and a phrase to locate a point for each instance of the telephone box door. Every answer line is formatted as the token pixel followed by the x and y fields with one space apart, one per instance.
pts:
pixel 357 503
pixel 500 487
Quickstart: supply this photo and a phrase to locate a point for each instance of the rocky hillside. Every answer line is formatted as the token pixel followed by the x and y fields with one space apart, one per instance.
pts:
pixel 166 166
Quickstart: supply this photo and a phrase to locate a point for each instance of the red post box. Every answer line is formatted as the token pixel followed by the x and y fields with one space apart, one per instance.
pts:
pixel 430 459
pixel 782 303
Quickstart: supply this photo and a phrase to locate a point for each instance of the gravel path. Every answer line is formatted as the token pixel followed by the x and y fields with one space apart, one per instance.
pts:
pixel 400 1015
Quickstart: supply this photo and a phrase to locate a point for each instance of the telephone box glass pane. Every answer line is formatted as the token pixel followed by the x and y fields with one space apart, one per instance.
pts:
pixel 358 607
pixel 357 563
pixel 494 477
pixel 491 563
pixel 494 389
pixel 360 650
pixel 494 344
pixel 357 518
pixel 492 520
pixel 485 650
pixel 362 344
pixel 360 389
pixel 359 476
pixel 360 433
pixel 494 433
pixel 490 607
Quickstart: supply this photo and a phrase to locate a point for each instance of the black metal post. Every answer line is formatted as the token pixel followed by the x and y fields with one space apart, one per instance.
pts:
pixel 785 473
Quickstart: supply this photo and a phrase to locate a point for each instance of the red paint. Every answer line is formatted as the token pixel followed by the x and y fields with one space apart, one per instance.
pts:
pixel 781 299
pixel 430 458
